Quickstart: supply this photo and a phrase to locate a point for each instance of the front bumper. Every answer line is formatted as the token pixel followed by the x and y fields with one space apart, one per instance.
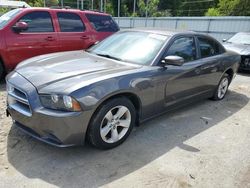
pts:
pixel 57 128
pixel 245 63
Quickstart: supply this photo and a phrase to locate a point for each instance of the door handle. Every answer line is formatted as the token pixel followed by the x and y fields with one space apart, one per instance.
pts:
pixel 84 37
pixel 50 38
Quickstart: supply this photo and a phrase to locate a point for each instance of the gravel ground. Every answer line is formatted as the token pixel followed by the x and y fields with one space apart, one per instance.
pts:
pixel 203 145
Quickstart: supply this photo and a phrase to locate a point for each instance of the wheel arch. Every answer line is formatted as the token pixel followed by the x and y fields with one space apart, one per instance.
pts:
pixel 3 65
pixel 129 95
pixel 230 73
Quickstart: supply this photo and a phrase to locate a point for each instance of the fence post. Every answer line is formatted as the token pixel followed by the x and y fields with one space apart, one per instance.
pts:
pixel 208 27
pixel 176 23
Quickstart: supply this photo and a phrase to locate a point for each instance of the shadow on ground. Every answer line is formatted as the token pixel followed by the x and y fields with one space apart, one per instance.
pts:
pixel 2 86
pixel 89 167
pixel 244 73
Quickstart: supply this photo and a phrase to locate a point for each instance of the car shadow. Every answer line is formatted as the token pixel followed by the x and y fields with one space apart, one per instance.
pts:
pixel 2 86
pixel 89 167
pixel 244 73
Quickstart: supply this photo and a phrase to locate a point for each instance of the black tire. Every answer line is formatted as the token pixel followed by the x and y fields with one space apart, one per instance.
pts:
pixel 216 95
pixel 2 72
pixel 94 130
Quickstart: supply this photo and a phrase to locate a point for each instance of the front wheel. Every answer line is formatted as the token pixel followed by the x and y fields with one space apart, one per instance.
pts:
pixel 222 88
pixel 112 123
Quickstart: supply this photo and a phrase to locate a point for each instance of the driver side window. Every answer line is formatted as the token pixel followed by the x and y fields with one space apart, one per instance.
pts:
pixel 183 47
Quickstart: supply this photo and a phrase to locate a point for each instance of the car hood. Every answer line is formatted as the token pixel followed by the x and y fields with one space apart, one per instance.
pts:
pixel 239 48
pixel 47 70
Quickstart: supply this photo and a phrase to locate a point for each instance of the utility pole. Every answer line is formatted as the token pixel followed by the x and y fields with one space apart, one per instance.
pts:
pixel 134 6
pixel 105 2
pixel 44 3
pixel 101 9
pixel 119 5
pixel 147 9
pixel 62 3
pixel 92 5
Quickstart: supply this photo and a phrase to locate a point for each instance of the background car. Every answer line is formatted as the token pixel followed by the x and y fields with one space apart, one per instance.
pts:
pixel 28 32
pixel 130 77
pixel 240 43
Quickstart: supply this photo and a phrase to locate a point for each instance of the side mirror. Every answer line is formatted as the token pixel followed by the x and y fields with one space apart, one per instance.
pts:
pixel 224 40
pixel 20 26
pixel 173 60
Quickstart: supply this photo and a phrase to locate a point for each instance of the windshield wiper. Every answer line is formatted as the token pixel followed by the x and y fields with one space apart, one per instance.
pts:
pixel 109 56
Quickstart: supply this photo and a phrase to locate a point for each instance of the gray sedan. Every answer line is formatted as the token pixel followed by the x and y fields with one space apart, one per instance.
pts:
pixel 98 95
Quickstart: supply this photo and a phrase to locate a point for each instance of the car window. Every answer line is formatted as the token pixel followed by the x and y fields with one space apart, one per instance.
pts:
pixel 183 47
pixel 39 21
pixel 131 46
pixel 102 23
pixel 70 22
pixel 208 47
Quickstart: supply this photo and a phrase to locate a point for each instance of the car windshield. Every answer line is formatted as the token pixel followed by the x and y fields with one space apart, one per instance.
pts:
pixel 240 38
pixel 131 46
pixel 4 19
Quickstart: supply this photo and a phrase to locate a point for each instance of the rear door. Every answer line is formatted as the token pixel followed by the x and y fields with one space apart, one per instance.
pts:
pixel 39 38
pixel 73 34
pixel 211 61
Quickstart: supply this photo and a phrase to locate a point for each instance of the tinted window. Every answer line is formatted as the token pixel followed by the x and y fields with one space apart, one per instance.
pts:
pixel 183 47
pixel 102 23
pixel 38 22
pixel 70 22
pixel 208 47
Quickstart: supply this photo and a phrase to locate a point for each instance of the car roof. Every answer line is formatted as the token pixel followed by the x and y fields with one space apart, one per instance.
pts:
pixel 66 9
pixel 169 32
pixel 163 31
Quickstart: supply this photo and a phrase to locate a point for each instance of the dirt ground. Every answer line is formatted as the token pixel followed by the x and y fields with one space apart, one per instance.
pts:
pixel 203 145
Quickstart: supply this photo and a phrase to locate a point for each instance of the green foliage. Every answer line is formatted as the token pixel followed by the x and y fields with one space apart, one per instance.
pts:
pixel 3 10
pixel 231 8
pixel 109 8
pixel 35 3
pixel 213 12
pixel 50 3
pixel 149 10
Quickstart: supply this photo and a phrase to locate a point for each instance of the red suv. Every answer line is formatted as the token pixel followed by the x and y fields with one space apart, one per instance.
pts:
pixel 29 32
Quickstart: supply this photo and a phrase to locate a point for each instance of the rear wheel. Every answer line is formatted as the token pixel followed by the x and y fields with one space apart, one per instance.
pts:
pixel 2 72
pixel 222 88
pixel 112 123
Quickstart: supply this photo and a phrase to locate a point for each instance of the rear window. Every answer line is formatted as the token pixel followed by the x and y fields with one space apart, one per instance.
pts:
pixel 208 47
pixel 102 23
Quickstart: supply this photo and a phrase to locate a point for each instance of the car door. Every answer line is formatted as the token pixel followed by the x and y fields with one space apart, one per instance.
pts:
pixel 73 34
pixel 177 84
pixel 210 53
pixel 39 38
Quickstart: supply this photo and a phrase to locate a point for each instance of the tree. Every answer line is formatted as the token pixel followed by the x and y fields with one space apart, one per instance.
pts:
pixel 230 8
pixel 3 10
pixel 148 7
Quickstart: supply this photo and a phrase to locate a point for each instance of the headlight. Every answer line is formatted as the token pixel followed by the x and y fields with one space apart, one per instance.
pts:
pixel 60 102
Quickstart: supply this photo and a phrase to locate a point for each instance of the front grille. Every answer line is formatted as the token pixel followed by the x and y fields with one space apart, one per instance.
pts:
pixel 18 100
pixel 245 62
